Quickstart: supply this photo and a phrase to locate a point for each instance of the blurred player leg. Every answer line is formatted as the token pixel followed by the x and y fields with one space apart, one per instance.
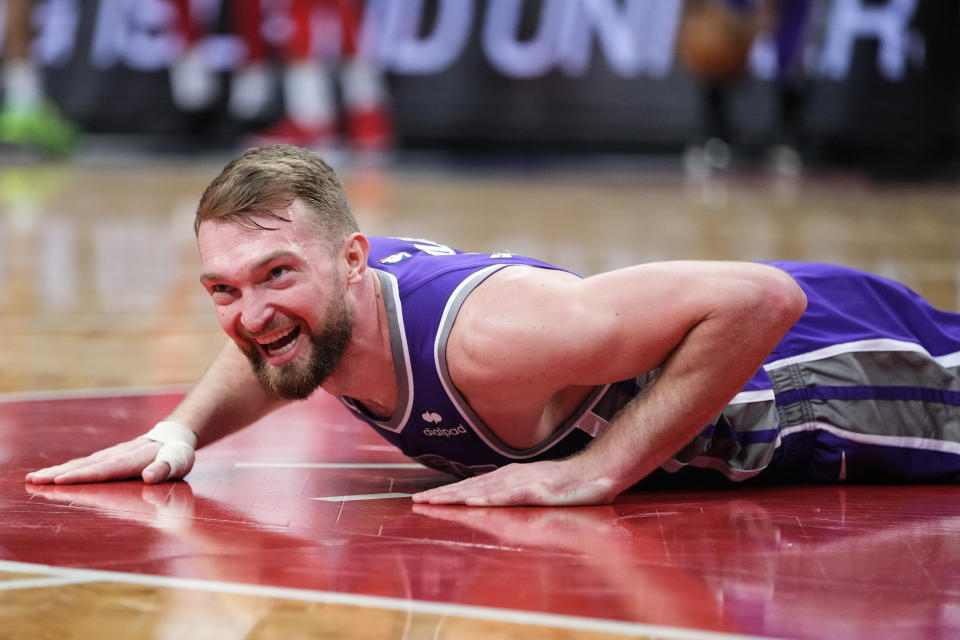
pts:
pixel 193 85
pixel 308 93
pixel 365 97
pixel 28 118
pixel 788 35
pixel 714 43
pixel 251 88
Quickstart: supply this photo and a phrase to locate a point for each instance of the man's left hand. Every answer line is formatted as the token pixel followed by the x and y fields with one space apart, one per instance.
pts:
pixel 548 483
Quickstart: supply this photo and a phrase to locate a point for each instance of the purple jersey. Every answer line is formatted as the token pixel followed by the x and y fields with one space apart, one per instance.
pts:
pixel 424 284
pixel 864 387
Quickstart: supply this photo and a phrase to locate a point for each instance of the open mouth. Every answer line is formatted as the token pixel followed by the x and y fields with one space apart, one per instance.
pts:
pixel 282 344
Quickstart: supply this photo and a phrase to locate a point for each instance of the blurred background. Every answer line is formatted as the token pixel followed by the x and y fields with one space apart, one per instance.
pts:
pixel 589 133
pixel 868 83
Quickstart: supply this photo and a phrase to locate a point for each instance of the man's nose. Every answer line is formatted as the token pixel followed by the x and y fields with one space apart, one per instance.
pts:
pixel 256 313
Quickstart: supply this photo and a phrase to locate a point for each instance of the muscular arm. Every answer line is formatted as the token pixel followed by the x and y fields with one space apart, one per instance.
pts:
pixel 708 325
pixel 227 398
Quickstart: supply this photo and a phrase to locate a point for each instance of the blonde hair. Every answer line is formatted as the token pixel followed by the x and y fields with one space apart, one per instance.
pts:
pixel 263 180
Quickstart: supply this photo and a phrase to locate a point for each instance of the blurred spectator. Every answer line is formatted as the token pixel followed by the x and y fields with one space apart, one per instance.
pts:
pixel 715 42
pixel 785 21
pixel 196 87
pixel 313 68
pixel 28 118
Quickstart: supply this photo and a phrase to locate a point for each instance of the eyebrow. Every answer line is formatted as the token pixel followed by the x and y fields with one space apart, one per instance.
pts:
pixel 271 257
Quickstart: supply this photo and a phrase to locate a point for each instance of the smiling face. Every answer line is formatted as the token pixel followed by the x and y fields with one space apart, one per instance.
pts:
pixel 280 295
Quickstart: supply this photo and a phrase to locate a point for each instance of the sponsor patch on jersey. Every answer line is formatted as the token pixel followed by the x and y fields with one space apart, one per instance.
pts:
pixel 440 432
pixel 501 255
pixel 395 258
pixel 431 416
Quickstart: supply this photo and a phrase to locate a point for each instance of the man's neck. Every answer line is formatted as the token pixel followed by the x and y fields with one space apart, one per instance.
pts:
pixel 366 372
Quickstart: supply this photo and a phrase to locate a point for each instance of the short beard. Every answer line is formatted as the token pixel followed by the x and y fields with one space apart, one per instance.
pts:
pixel 299 378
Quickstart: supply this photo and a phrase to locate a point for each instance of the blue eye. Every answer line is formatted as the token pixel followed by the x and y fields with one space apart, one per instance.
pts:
pixel 276 272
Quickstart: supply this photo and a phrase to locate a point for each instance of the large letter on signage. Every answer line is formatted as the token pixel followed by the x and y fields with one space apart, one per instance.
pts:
pixel 507 53
pixel 854 19
pixel 404 51
pixel 613 30
pixel 636 36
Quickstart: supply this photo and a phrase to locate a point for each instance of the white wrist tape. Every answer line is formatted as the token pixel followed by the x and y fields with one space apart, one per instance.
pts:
pixel 178 446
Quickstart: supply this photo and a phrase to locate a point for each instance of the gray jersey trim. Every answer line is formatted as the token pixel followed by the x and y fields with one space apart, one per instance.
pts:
pixel 482 430
pixel 401 358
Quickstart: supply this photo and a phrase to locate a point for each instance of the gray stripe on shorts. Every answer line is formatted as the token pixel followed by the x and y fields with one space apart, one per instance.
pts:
pixel 877 368
pixel 727 447
pixel 898 418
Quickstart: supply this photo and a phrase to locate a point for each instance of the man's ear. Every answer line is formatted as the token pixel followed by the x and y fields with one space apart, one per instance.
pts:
pixel 356 248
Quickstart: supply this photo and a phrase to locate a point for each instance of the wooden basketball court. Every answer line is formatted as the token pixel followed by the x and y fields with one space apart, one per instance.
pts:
pixel 300 527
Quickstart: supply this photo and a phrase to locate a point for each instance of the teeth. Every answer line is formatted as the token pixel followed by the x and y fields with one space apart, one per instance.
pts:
pixel 275 337
pixel 283 349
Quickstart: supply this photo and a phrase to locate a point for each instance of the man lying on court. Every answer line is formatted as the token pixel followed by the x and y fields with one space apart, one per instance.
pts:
pixel 541 387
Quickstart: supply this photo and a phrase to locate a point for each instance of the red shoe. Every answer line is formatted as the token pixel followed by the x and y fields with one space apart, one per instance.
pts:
pixel 289 132
pixel 369 129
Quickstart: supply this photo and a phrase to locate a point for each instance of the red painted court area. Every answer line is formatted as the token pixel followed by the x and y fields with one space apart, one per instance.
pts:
pixel 799 562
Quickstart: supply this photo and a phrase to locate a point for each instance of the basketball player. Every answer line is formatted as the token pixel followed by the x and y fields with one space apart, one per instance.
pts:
pixel 28 118
pixel 307 80
pixel 715 41
pixel 708 373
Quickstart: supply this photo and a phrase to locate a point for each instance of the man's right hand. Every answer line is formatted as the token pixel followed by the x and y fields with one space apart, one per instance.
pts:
pixel 129 459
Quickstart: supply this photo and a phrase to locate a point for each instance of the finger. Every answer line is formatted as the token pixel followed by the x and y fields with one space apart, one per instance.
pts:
pixel 156 471
pixel 425 496
pixel 98 472
pixel 448 494
pixel 438 498
pixel 483 518
pixel 36 477
pixel 46 475
pixel 124 460
pixel 506 497
pixel 179 456
pixel 461 492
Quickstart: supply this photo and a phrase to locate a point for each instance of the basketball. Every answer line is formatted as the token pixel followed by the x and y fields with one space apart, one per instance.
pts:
pixel 714 40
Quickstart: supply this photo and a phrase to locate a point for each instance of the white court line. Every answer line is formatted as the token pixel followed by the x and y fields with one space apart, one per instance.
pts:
pixel 329 465
pixel 99 392
pixel 39 583
pixel 364 496
pixel 511 616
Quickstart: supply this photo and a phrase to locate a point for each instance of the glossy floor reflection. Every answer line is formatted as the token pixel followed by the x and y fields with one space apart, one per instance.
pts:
pixel 853 562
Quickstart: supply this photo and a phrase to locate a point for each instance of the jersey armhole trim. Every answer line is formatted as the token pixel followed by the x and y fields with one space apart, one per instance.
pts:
pixel 447 319
pixel 401 358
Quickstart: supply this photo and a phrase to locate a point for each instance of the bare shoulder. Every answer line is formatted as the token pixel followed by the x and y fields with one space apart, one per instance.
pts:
pixel 491 339
pixel 513 290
